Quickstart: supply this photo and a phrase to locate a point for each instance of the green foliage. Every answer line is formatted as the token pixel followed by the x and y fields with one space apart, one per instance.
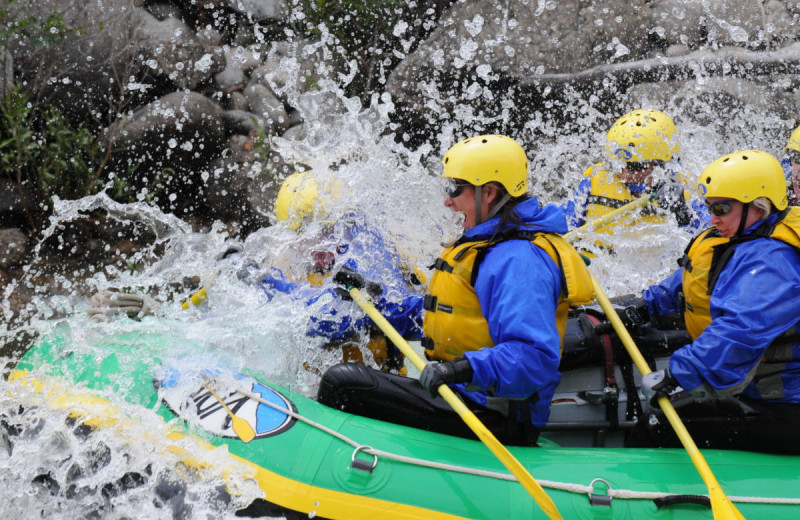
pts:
pixel 16 24
pixel 43 154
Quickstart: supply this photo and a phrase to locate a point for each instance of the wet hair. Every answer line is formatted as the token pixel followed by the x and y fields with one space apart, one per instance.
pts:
pixel 508 213
pixel 764 204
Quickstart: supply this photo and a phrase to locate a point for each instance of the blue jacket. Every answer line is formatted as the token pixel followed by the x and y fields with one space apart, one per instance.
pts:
pixel 364 250
pixel 756 299
pixel 518 286
pixel 575 207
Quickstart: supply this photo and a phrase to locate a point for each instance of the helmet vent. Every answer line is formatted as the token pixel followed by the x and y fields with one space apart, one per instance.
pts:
pixel 484 140
pixel 726 159
pixel 708 180
pixel 745 157
pixel 446 160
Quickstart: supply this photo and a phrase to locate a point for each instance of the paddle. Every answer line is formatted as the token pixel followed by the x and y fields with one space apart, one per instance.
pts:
pixel 721 505
pixel 241 427
pixel 483 433
pixel 612 215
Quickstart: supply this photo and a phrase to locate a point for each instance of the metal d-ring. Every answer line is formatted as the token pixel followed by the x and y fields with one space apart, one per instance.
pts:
pixel 600 500
pixel 363 465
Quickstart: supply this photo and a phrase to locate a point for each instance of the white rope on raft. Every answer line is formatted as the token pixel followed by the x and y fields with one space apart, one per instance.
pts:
pixel 624 494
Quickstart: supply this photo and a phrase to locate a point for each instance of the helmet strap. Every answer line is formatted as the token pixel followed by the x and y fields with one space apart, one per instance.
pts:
pixel 497 207
pixel 745 211
pixel 478 219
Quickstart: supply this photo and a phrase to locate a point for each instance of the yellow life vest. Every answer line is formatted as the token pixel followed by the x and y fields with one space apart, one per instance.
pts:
pixel 454 323
pixel 701 266
pixel 607 193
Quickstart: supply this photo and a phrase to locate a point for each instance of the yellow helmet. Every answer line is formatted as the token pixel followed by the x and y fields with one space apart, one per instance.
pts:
pixel 643 135
pixel 794 140
pixel 297 200
pixel 745 176
pixel 488 158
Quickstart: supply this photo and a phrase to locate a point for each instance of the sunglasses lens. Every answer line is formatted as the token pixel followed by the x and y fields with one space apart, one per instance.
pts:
pixel 719 209
pixel 454 189
pixel 636 166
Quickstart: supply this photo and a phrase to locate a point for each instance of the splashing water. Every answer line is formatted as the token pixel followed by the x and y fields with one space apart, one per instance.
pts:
pixel 57 469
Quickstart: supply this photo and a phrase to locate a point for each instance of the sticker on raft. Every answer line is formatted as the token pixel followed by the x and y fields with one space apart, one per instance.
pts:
pixel 199 399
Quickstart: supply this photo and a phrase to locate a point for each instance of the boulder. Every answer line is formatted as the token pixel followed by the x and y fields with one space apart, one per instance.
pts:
pixel 157 151
pixel 13 247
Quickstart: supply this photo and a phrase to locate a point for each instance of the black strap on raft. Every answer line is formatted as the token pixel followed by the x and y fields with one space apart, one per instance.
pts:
pixel 672 500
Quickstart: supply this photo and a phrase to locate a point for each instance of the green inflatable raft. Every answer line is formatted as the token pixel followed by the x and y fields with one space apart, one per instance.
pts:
pixel 324 463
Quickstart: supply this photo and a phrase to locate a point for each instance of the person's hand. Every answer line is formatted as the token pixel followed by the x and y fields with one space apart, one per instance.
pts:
pixel 349 278
pixel 632 310
pixel 670 196
pixel 107 303
pixel 658 383
pixel 445 373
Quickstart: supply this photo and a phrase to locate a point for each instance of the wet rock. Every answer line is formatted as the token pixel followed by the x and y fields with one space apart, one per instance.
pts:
pixel 259 10
pixel 164 10
pixel 85 70
pixel 264 104
pixel 13 247
pixel 237 101
pixel 230 178
pixel 483 48
pixel 172 51
pixel 242 122
pixel 296 133
pixel 231 78
pixel 161 147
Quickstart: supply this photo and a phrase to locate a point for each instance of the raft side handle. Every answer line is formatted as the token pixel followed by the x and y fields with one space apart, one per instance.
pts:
pixel 600 500
pixel 363 465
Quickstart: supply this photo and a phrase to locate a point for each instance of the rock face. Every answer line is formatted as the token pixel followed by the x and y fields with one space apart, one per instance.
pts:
pixel 482 51
pixel 163 144
pixel 187 94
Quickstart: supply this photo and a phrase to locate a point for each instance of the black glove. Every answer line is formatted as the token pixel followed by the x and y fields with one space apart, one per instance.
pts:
pixel 670 197
pixel 445 373
pixel 632 310
pixel 350 278
pixel 658 383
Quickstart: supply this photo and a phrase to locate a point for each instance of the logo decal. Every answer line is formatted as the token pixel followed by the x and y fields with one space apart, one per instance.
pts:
pixel 702 189
pixel 623 154
pixel 189 397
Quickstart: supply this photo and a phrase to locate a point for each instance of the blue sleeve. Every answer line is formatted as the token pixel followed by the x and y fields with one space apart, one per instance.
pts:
pixel 701 220
pixel 518 286
pixel 756 299
pixel 575 207
pixel 665 297
pixel 276 282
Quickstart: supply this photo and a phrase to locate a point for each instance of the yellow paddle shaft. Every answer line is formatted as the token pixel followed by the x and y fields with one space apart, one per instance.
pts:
pixel 491 442
pixel 608 217
pixel 721 505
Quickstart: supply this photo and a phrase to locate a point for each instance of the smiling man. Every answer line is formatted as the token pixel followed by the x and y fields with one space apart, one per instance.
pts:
pixel 739 289
pixel 495 312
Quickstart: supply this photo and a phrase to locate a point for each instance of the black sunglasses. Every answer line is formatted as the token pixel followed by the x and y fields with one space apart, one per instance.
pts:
pixel 640 166
pixel 454 189
pixel 720 208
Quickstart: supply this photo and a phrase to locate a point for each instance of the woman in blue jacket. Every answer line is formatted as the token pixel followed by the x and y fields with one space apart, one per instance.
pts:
pixel 496 310
pixel 739 289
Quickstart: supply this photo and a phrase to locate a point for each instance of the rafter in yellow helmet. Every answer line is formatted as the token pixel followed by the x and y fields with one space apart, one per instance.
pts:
pixel 488 158
pixel 745 176
pixel 643 135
